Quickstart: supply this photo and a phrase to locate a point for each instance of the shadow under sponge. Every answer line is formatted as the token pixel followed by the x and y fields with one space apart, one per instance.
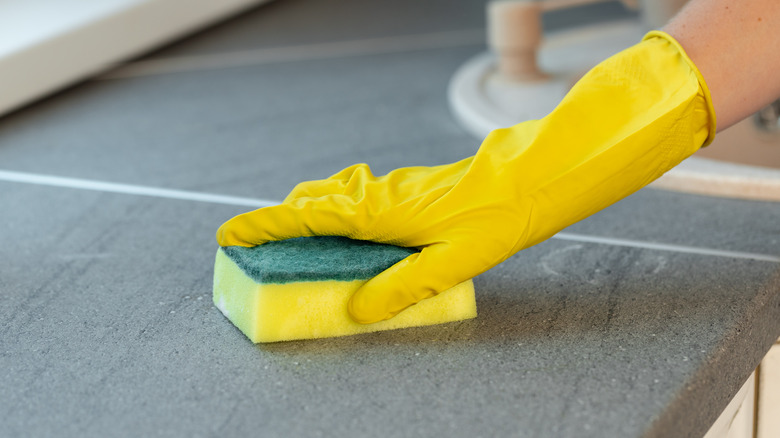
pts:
pixel 299 289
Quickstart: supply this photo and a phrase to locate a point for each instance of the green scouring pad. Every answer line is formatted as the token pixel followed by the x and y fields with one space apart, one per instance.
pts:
pixel 299 289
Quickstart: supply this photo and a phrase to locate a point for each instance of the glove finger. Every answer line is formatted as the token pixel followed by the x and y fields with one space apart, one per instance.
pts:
pixel 419 276
pixel 402 183
pixel 335 184
pixel 315 189
pixel 328 216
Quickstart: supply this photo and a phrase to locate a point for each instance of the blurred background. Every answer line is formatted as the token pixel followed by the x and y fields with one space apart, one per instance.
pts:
pixel 131 129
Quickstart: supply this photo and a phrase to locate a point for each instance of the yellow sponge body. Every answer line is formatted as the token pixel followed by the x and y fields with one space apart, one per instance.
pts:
pixel 271 312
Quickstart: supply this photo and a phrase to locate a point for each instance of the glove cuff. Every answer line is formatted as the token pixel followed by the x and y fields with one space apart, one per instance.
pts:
pixel 705 91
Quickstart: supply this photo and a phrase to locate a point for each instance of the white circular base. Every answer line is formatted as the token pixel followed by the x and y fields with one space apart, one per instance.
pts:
pixel 705 176
pixel 483 101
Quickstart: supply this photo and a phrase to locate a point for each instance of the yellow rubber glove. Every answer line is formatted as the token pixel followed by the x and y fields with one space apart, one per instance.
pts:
pixel 624 124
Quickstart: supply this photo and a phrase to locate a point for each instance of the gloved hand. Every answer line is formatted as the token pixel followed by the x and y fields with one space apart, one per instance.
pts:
pixel 624 124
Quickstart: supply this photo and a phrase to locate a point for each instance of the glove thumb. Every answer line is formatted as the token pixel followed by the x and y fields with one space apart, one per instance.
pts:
pixel 418 276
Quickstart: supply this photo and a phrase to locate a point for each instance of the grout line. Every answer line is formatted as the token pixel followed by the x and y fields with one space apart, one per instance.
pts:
pixel 341 49
pixel 667 247
pixel 84 184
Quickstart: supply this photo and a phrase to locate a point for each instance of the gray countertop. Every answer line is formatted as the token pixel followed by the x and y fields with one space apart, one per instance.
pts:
pixel 107 323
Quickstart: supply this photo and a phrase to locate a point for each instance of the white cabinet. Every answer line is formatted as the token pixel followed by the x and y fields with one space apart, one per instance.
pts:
pixel 755 411
pixel 768 408
pixel 738 418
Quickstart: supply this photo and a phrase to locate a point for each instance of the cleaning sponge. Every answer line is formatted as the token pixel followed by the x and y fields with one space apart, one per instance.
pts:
pixel 299 289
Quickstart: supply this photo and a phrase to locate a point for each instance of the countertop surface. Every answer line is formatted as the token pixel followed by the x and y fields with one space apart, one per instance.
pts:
pixel 107 323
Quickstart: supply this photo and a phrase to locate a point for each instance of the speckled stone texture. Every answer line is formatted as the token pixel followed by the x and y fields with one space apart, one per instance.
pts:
pixel 107 329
